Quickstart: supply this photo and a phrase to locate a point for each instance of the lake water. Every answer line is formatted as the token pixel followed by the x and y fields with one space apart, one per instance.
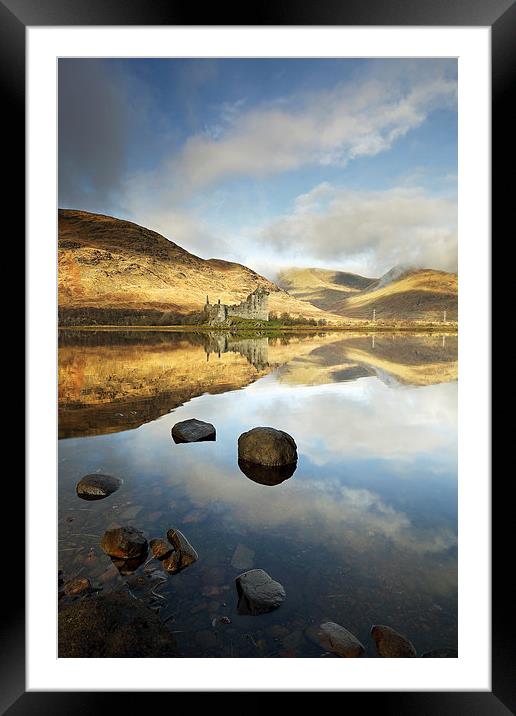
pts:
pixel 363 533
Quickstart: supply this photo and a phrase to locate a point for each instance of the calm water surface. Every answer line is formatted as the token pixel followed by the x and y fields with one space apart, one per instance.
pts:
pixel 364 532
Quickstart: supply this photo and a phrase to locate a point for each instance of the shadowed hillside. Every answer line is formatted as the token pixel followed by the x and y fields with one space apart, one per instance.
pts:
pixel 113 271
pixel 322 287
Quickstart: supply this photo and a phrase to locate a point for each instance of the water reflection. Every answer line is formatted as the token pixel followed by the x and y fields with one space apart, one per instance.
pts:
pixel 128 566
pixel 266 475
pixel 117 380
pixel 364 531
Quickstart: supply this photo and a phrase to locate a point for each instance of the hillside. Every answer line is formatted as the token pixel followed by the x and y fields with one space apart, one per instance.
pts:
pixel 114 271
pixel 401 295
pixel 321 287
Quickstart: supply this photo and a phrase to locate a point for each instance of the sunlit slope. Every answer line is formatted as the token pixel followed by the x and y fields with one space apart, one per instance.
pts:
pixel 114 265
pixel 415 295
pixel 322 287
pixel 418 295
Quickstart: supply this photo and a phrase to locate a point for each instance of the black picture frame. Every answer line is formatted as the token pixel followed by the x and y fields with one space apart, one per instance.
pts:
pixel 500 16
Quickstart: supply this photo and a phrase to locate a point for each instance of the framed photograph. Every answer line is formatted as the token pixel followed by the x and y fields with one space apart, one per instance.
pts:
pixel 258 352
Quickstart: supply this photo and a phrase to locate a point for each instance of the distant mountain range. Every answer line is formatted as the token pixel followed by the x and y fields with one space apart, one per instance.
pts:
pixel 116 272
pixel 400 294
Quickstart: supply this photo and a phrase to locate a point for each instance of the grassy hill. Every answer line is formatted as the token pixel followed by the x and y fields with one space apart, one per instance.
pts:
pixel 411 295
pixel 112 271
pixel 321 287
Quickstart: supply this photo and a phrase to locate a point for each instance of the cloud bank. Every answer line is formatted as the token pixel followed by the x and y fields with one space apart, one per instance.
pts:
pixel 373 230
pixel 360 118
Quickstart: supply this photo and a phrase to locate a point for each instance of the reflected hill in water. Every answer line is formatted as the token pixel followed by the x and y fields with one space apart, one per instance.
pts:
pixel 116 380
pixel 406 359
pixel 111 381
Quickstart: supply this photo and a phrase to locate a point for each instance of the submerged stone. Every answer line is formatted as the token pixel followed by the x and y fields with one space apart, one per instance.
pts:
pixel 258 593
pixel 97 486
pixel 124 543
pixel 193 431
pixel 337 639
pixel 76 587
pixel 159 548
pixel 390 644
pixel 183 554
pixel 243 557
pixel 267 446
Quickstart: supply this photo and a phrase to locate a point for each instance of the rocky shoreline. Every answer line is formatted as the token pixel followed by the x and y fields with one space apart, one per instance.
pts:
pixel 126 622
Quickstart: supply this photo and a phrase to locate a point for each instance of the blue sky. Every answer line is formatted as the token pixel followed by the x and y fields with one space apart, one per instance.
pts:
pixel 348 164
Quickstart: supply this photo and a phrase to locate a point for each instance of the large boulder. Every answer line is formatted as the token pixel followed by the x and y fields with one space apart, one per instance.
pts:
pixel 258 593
pixel 390 644
pixel 124 543
pixel 97 486
pixel 183 554
pixel 340 641
pixel 193 431
pixel 267 446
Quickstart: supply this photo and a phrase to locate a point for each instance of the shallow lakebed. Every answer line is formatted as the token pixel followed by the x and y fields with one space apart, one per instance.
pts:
pixel 363 532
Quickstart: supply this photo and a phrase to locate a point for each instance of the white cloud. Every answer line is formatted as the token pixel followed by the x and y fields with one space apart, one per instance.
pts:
pixel 367 232
pixel 355 119
pixel 370 231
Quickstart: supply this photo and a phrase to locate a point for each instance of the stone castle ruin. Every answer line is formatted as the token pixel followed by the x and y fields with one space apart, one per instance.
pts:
pixel 255 307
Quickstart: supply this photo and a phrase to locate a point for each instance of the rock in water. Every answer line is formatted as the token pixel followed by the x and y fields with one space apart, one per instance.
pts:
pixel 160 549
pixel 124 543
pixel 445 653
pixel 339 640
pixel 267 446
pixel 183 555
pixel 78 586
pixel 193 431
pixel 97 486
pixel 390 644
pixel 258 593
